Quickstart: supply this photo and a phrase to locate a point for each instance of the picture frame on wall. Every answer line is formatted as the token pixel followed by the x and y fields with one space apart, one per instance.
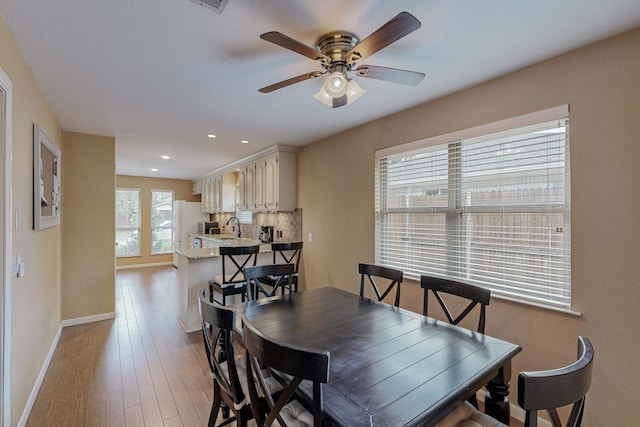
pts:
pixel 46 180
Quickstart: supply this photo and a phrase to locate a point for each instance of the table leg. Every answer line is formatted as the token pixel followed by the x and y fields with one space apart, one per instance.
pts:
pixel 496 403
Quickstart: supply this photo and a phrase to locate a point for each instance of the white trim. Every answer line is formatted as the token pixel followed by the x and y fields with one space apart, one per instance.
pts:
pixel 45 366
pixel 153 264
pixel 5 335
pixel 537 305
pixel 87 319
pixel 185 328
pixel 487 129
pixel 36 387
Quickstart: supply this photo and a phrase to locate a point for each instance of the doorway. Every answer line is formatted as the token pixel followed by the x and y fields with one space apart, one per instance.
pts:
pixel 6 259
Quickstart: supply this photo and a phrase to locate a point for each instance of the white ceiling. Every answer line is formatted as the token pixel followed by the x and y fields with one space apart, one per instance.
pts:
pixel 161 75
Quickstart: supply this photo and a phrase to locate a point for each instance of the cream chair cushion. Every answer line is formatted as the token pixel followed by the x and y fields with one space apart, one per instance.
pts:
pixel 295 415
pixel 466 415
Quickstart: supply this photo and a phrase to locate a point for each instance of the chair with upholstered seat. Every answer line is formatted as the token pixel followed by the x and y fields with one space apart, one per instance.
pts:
pixel 232 281
pixel 280 276
pixel 391 275
pixel 217 326
pixel 541 390
pixel 227 370
pixel 290 365
pixel 286 253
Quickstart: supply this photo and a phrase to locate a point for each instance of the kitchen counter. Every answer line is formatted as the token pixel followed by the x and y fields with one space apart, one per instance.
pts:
pixel 197 266
pixel 217 240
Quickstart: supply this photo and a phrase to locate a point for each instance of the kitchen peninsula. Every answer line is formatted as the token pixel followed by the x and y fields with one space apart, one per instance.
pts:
pixel 197 266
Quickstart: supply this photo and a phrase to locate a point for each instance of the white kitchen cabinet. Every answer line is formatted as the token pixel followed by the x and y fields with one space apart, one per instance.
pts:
pixel 250 186
pixel 264 182
pixel 242 193
pixel 274 183
pixel 271 182
pixel 259 187
pixel 226 198
pixel 218 193
pixel 196 188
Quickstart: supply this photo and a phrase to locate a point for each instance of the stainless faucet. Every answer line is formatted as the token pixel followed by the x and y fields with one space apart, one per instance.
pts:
pixel 238 221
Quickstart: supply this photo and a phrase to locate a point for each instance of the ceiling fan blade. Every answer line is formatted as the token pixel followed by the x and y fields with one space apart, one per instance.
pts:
pixel 288 43
pixel 290 81
pixel 402 24
pixel 394 75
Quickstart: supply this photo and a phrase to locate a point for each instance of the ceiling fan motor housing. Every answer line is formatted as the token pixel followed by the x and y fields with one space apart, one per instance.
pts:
pixel 335 46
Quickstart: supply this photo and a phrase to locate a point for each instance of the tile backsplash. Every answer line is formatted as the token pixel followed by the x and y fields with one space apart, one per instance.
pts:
pixel 289 223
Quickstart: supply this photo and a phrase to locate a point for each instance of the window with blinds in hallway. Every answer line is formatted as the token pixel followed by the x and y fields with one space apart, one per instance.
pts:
pixel 127 222
pixel 488 206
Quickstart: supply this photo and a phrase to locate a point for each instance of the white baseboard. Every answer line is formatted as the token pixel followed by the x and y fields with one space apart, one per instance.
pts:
pixel 36 387
pixel 87 319
pixel 153 264
pixel 47 361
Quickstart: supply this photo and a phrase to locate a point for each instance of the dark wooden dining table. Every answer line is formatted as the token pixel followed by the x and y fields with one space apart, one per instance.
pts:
pixel 388 366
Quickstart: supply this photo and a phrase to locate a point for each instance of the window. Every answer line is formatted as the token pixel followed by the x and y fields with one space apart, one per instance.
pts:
pixel 488 206
pixel 161 222
pixel 127 222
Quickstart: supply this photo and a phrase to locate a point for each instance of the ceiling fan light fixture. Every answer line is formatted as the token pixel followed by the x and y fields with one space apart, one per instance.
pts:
pixel 336 84
pixel 353 92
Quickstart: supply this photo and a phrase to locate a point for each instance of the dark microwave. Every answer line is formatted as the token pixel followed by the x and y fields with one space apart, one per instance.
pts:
pixel 208 228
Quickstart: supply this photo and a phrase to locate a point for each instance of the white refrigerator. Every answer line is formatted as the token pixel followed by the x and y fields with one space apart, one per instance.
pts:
pixel 186 216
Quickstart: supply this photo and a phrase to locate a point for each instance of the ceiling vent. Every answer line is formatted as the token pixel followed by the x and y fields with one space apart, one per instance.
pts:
pixel 217 5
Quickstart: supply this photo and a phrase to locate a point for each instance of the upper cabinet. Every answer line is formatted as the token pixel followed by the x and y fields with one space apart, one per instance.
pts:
pixel 197 187
pixel 266 182
pixel 219 193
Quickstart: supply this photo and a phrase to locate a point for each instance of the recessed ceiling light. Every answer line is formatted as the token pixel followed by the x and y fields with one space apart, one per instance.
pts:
pixel 244 141
pixel 154 170
pixel 166 157
pixel 211 136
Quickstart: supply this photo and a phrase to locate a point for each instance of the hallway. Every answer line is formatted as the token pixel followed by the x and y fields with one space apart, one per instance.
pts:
pixel 139 369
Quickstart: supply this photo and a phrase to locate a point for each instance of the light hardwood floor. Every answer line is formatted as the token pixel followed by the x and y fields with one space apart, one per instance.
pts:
pixel 139 369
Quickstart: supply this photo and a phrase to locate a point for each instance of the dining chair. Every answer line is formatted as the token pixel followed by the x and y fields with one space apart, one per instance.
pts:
pixel 474 294
pixel 391 275
pixel 232 281
pixel 540 390
pixel 551 389
pixel 286 253
pixel 226 370
pixel 280 276
pixel 290 365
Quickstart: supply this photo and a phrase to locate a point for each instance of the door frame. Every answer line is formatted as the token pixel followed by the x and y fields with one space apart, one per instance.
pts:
pixel 6 249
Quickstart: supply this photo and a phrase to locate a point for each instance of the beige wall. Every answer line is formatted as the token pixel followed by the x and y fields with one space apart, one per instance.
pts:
pixel 181 191
pixel 600 82
pixel 88 166
pixel 35 299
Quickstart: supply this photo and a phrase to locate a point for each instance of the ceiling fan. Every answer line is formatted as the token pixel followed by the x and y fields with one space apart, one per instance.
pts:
pixel 340 51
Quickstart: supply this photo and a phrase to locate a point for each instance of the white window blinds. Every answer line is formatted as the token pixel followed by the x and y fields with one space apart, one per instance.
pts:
pixel 492 210
pixel 127 222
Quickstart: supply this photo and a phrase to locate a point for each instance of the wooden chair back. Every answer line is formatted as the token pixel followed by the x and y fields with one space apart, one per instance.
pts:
pixel 267 279
pixel 267 356
pixel 475 294
pixel 548 390
pixel 369 271
pixel 235 259
pixel 287 253
pixel 218 323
